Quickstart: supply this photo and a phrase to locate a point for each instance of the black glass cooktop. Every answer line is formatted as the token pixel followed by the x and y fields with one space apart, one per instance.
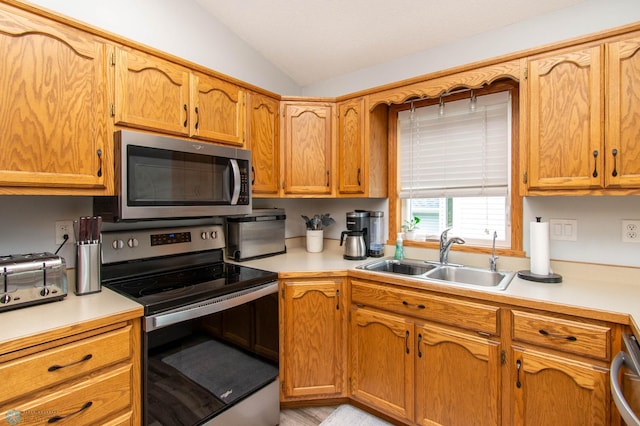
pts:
pixel 158 287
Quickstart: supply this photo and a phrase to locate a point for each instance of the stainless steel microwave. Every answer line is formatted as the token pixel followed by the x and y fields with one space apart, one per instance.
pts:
pixel 160 177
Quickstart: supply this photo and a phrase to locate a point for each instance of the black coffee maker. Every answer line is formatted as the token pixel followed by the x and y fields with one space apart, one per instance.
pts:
pixel 356 243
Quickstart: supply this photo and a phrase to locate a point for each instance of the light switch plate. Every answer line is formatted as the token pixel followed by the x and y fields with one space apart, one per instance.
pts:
pixel 563 229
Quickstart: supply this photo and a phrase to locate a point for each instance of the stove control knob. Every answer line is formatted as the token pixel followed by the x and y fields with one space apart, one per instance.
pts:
pixel 132 242
pixel 204 235
pixel 214 234
pixel 45 291
pixel 5 298
pixel 117 244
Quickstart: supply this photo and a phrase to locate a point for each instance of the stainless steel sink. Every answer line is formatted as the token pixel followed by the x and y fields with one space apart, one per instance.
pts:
pixel 404 267
pixel 465 276
pixel 472 276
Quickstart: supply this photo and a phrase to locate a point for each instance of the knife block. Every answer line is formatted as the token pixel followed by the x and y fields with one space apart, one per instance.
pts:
pixel 88 269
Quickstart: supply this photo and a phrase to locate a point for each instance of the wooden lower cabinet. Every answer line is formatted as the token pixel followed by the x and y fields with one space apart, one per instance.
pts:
pixel 313 347
pixel 555 390
pixel 84 377
pixel 457 378
pixel 382 361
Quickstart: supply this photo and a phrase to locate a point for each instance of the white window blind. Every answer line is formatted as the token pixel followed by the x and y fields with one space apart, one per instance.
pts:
pixel 459 153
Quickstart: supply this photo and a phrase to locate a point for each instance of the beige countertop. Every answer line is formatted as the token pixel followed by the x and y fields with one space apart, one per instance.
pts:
pixel 602 292
pixel 70 311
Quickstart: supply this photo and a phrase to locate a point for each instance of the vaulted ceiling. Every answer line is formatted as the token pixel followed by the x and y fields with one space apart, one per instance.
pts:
pixel 315 40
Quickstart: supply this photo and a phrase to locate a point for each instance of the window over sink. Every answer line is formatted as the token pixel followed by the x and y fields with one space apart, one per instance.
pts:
pixel 454 166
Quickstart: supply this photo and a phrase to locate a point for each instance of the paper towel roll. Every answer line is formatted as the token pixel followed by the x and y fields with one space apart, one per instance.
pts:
pixel 540 264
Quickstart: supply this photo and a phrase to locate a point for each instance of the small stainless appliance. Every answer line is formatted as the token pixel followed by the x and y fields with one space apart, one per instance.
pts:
pixel 355 243
pixel 376 234
pixel 259 234
pixel 31 279
pixel 210 328
pixel 160 177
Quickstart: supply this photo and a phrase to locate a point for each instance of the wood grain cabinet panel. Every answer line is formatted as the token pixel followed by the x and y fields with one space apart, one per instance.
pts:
pixel 263 129
pixel 54 135
pixel 308 135
pixel 151 93
pixel 218 108
pixel 623 108
pixel 314 346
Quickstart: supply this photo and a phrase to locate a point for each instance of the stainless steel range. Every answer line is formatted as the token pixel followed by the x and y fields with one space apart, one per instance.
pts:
pixel 31 279
pixel 210 341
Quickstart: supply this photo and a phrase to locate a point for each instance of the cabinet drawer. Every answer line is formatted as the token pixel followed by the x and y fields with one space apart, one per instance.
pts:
pixel 46 368
pixel 460 313
pixel 85 403
pixel 562 334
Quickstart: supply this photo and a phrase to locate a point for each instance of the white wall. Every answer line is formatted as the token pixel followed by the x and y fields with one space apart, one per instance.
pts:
pixel 181 28
pixel 587 17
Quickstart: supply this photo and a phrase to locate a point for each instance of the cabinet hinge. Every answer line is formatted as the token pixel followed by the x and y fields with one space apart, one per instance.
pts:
pixel 503 357
pixel 526 73
pixel 113 110
pixel 282 386
pixel 525 177
pixel 112 59
pixel 282 291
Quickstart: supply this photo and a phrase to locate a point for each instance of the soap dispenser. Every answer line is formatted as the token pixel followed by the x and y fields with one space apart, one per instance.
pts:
pixel 399 255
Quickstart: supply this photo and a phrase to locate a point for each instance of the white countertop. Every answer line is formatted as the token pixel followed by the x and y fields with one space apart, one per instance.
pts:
pixel 71 310
pixel 607 292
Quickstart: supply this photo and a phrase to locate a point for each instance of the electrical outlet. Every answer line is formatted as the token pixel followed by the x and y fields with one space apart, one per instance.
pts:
pixel 631 231
pixel 64 227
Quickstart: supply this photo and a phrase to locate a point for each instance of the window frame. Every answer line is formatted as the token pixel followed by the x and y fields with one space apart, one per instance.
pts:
pixel 395 203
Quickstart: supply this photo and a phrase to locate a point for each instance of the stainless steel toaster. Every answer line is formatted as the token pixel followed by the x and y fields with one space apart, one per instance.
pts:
pixel 259 234
pixel 31 279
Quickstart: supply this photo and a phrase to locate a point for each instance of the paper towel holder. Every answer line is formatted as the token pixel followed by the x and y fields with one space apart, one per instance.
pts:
pixel 549 278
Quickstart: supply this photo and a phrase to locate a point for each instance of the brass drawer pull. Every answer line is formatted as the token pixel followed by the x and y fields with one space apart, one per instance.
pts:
pixel 83 359
pixel 557 336
pixel 407 304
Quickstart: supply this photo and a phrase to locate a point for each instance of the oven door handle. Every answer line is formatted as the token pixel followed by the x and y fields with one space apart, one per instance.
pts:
pixel 208 307
pixel 626 412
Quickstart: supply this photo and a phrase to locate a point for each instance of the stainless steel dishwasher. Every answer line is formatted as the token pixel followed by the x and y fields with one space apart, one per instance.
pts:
pixel 625 380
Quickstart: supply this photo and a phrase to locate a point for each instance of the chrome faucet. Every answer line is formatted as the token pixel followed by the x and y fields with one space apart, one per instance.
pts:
pixel 493 259
pixel 445 245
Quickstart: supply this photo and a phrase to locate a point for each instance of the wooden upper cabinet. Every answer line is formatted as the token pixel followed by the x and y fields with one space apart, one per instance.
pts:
pixel 351 147
pixel 308 148
pixel 54 135
pixel 623 108
pixel 263 130
pixel 218 109
pixel 151 93
pixel 565 120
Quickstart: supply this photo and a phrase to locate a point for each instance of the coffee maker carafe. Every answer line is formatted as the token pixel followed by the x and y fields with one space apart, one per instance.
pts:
pixel 355 243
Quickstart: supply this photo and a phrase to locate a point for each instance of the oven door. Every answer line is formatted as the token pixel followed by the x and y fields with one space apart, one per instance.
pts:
pixel 200 369
pixel 625 381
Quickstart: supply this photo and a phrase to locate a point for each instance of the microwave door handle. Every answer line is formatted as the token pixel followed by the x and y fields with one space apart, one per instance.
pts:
pixel 236 181
pixel 626 412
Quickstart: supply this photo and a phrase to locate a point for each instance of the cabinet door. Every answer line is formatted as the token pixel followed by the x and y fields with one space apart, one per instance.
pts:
pixel 457 378
pixel 53 107
pixel 313 355
pixel 623 96
pixel 264 143
pixel 382 361
pixel 550 390
pixel 151 93
pixel 218 108
pixel 308 149
pixel 565 115
pixel 352 174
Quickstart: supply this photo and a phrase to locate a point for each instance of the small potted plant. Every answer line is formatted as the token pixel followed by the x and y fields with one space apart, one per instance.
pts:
pixel 410 227
pixel 315 231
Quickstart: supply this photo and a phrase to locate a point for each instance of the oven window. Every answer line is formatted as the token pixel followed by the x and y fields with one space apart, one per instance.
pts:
pixel 160 177
pixel 198 368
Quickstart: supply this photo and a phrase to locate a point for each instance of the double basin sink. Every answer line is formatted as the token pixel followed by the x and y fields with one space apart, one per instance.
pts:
pixel 465 276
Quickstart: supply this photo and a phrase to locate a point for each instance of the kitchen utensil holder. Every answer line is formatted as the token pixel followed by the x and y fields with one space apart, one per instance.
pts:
pixel 88 269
